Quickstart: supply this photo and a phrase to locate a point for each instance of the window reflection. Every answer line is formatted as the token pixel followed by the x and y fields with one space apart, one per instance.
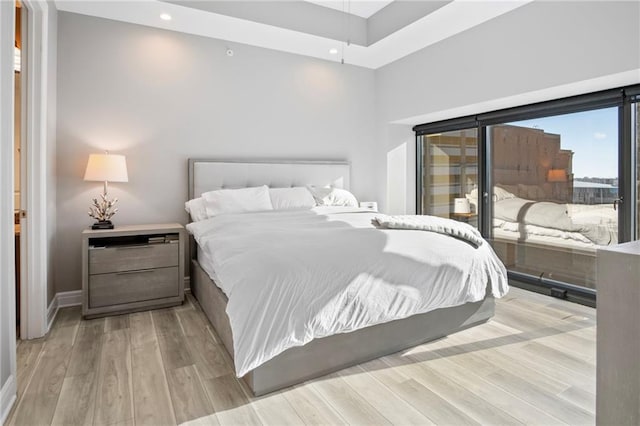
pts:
pixel 450 175
pixel 554 196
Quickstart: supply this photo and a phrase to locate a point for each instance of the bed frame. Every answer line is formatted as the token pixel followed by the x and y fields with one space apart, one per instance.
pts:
pixel 328 354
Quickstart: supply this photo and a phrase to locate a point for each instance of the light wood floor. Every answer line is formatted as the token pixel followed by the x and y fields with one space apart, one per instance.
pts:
pixel 534 363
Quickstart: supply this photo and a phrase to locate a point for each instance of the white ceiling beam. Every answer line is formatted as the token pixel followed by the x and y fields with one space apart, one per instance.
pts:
pixel 445 22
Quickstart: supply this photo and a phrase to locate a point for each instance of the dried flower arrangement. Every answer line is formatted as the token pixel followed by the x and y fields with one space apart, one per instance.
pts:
pixel 103 210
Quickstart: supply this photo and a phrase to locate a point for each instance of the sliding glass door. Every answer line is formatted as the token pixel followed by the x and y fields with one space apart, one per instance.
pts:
pixel 449 174
pixel 635 114
pixel 555 193
pixel 547 184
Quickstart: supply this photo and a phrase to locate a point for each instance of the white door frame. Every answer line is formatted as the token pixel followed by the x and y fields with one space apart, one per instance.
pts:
pixel 35 146
pixel 34 274
pixel 7 270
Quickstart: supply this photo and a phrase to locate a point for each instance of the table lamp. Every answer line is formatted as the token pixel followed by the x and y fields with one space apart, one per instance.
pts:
pixel 461 206
pixel 105 168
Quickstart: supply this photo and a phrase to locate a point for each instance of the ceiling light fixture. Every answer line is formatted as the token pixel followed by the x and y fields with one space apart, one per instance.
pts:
pixel 333 51
pixel 346 10
pixel 165 16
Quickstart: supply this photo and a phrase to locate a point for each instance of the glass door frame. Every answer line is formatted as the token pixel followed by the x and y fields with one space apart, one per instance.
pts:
pixel 627 170
pixel 622 98
pixel 449 125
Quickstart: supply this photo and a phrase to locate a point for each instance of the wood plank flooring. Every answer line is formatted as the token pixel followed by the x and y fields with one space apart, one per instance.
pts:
pixel 533 363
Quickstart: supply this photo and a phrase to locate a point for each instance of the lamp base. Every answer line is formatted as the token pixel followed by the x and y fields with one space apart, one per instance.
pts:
pixel 103 224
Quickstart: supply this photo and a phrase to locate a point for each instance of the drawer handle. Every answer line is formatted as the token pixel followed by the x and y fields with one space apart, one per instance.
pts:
pixel 143 271
pixel 131 247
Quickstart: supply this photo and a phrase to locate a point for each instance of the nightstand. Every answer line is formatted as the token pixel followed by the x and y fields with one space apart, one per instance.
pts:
pixel 369 205
pixel 132 268
pixel 470 218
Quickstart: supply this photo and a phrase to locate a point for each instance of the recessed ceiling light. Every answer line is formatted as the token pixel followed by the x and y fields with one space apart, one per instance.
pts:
pixel 165 16
pixel 333 51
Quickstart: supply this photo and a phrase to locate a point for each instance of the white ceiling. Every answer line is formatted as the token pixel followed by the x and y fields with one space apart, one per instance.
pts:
pixel 446 21
pixel 361 8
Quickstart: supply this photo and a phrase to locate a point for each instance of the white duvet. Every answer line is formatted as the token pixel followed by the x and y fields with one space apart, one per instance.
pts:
pixel 294 276
pixel 594 224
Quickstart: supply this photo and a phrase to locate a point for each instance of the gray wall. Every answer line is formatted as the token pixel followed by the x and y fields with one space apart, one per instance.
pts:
pixel 160 97
pixel 540 45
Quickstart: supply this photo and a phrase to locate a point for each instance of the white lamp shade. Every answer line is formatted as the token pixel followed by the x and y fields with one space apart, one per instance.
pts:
pixel 17 59
pixel 461 205
pixel 106 168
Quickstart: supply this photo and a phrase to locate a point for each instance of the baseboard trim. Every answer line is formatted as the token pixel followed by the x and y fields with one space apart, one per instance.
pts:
pixel 52 311
pixel 74 298
pixel 62 300
pixel 7 398
pixel 69 298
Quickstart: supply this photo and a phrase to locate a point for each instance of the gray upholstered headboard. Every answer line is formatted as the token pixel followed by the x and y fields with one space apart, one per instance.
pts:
pixel 211 174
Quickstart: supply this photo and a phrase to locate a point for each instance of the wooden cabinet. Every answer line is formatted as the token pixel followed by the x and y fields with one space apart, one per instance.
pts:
pixel 618 335
pixel 132 268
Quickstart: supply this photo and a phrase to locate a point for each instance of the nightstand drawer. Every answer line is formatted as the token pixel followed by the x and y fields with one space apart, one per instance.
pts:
pixel 132 286
pixel 128 258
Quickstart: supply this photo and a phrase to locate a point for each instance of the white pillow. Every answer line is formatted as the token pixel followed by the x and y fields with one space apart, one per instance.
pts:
pixel 498 195
pixel 502 194
pixel 291 198
pixel 333 197
pixel 237 200
pixel 196 209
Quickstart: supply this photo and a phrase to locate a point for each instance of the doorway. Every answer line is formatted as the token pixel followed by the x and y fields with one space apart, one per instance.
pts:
pixel 17 157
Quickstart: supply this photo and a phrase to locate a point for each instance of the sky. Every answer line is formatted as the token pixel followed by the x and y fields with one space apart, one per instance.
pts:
pixel 591 135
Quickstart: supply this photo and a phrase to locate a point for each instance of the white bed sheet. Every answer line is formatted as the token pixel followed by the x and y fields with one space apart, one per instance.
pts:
pixel 206 263
pixel 294 276
pixel 551 241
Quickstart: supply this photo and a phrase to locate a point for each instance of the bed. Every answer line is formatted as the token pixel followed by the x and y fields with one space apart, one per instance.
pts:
pixel 255 274
pixel 557 238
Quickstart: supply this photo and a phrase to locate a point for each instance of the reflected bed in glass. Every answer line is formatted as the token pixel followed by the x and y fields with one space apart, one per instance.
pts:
pixel 555 193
